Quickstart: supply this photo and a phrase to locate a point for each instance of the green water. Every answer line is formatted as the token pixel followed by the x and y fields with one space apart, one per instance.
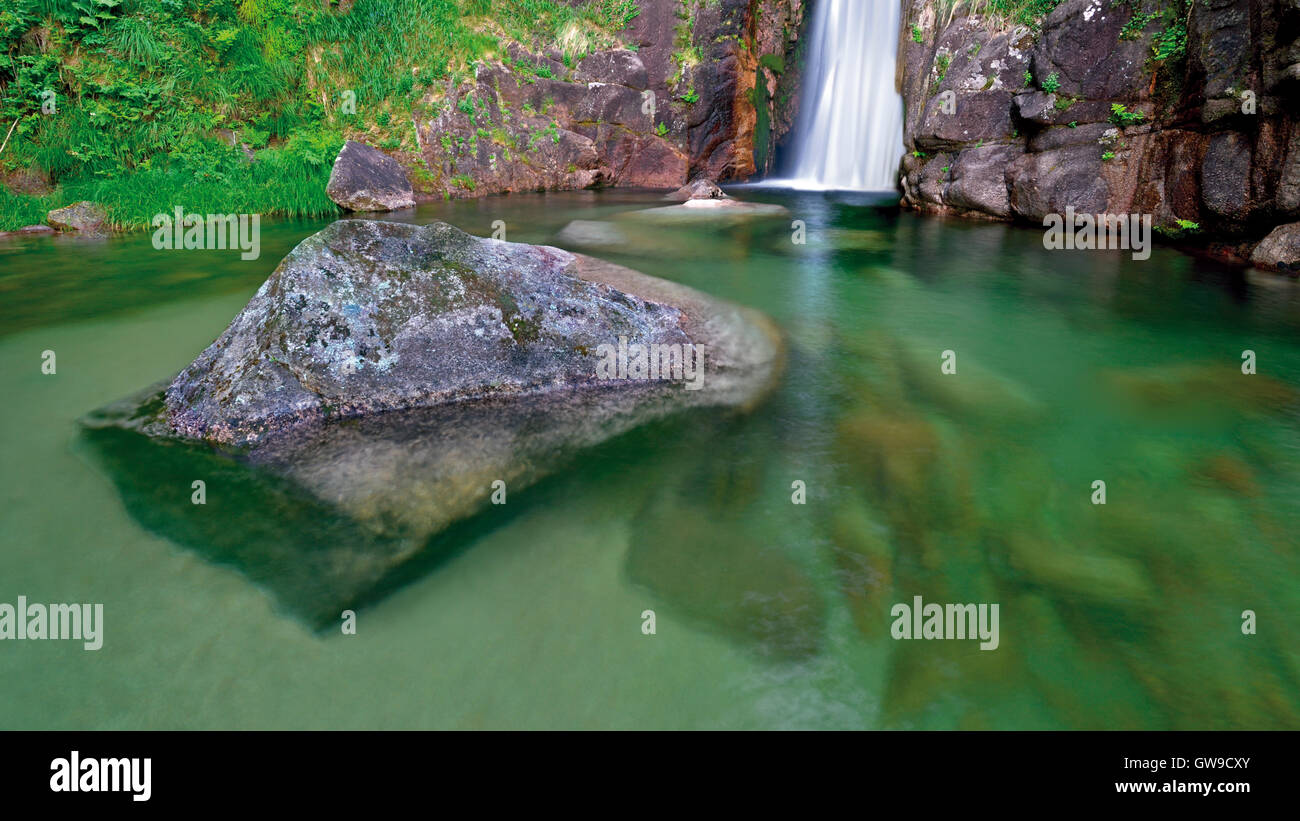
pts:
pixel 973 487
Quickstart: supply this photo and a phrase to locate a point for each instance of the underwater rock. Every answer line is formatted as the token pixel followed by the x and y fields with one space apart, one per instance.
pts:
pixel 1201 392
pixel 633 239
pixel 710 545
pixel 1111 579
pixel 864 562
pixel 972 392
pixel 26 231
pixel 918 477
pixel 720 567
pixel 387 380
pixel 1229 471
pixel 845 239
pixel 593 234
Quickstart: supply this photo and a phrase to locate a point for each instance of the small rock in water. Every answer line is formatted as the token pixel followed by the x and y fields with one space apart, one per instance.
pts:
pixel 1280 250
pixel 366 179
pixel 85 216
pixel 28 230
pixel 701 189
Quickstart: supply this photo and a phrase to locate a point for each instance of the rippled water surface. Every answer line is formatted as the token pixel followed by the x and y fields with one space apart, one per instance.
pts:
pixel 975 487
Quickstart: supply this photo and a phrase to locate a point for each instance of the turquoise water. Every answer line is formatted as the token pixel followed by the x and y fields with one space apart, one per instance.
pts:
pixel 975 487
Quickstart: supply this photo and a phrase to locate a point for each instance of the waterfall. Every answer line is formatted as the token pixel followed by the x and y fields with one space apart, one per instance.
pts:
pixel 850 130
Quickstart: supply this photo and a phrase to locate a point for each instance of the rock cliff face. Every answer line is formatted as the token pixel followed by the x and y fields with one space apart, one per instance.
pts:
pixel 1185 111
pixel 703 88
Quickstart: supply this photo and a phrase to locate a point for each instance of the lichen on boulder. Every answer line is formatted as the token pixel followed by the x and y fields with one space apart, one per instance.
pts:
pixel 383 381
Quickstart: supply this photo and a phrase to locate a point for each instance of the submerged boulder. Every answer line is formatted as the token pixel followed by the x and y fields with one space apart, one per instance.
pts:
pixel 724 211
pixel 387 377
pixel 366 179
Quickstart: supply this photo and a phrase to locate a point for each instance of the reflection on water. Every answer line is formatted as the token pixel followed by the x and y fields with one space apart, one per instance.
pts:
pixel 974 487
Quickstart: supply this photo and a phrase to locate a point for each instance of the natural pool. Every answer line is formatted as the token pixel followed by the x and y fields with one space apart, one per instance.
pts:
pixel 977 487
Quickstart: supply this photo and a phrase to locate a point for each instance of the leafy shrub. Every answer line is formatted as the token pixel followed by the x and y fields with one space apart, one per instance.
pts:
pixel 1120 115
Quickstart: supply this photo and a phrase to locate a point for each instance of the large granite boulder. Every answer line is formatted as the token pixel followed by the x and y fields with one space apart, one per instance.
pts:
pixel 367 317
pixel 382 382
pixel 366 179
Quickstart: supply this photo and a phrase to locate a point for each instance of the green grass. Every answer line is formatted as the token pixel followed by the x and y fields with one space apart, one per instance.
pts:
pixel 942 62
pixel 280 182
pixel 17 210
pixel 1029 13
pixel 142 86
pixel 773 62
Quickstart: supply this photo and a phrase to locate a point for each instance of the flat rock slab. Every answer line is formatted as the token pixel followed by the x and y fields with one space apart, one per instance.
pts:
pixel 27 231
pixel 359 411
pixel 704 210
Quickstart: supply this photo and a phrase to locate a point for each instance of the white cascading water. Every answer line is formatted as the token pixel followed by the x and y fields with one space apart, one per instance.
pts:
pixel 850 130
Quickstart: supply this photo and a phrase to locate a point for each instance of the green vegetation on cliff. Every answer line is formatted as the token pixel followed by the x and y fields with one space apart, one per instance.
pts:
pixel 146 104
pixel 1020 12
